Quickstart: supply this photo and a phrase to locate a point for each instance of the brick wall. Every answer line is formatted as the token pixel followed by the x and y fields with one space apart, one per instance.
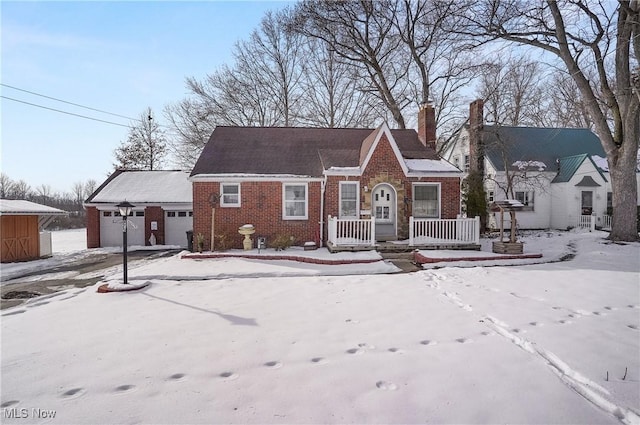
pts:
pixel 93 227
pixel 260 205
pixel 154 214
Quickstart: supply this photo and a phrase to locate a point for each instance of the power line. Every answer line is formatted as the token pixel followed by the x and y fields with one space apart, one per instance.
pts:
pixel 67 102
pixel 64 112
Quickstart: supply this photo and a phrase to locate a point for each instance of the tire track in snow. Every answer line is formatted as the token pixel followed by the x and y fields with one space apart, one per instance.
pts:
pixel 589 390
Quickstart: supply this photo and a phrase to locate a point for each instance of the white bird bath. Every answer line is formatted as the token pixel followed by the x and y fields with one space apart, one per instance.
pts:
pixel 247 230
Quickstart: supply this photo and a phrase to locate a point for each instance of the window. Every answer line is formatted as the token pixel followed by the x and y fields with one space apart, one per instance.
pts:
pixel 190 213
pixel 587 202
pixel 171 213
pixel 139 213
pixel 294 201
pixel 426 200
pixel 466 163
pixel 490 196
pixel 230 196
pixel 527 200
pixel 348 199
pixel 182 213
pixel 456 161
pixel 106 213
pixel 609 203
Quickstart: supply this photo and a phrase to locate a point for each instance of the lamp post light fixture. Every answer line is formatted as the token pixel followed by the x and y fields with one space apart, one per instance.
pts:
pixel 125 209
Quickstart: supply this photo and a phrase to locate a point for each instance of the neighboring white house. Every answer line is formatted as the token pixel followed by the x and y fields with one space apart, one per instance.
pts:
pixel 560 174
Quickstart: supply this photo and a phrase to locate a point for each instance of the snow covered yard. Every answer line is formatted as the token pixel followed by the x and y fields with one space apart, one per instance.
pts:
pixel 521 344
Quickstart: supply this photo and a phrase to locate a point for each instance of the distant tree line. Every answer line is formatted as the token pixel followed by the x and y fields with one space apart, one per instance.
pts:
pixel 71 202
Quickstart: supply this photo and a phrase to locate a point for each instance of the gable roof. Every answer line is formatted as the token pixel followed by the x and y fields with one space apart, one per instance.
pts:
pixel 296 151
pixel 569 165
pixel 22 207
pixel 544 145
pixel 170 187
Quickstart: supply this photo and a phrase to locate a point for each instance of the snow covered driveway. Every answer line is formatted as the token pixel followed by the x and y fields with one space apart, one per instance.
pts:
pixel 525 344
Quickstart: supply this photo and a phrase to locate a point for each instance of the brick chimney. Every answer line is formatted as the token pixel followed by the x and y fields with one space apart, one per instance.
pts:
pixel 476 122
pixel 427 125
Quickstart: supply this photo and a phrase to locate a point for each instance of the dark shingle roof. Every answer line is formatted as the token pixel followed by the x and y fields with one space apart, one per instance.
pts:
pixel 293 150
pixel 537 144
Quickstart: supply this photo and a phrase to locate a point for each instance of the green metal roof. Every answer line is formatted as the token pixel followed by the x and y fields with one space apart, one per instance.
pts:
pixel 546 145
pixel 570 164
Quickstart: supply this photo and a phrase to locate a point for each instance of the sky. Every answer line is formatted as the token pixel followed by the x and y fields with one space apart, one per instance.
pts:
pixel 117 57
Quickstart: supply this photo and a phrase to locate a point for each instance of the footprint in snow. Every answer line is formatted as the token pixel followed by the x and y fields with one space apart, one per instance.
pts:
pixel 357 351
pixel 177 377
pixel 121 389
pixel 609 308
pixel 352 321
pixel 395 350
pixel 9 403
pixel 565 322
pixel 428 342
pixel 535 324
pixel 367 346
pixel 487 333
pixel 228 376
pixel 386 386
pixel 634 327
pixel 273 365
pixel 633 306
pixel 73 393
pixel 319 360
pixel 464 340
pixel 518 331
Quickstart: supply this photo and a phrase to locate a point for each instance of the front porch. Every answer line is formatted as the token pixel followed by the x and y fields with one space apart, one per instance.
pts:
pixel 360 235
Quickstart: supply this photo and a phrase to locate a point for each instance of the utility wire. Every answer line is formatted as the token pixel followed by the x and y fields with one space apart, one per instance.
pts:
pixel 69 103
pixel 65 112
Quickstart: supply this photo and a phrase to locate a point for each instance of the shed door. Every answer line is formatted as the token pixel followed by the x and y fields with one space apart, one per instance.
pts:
pixel 20 238
pixel 111 229
pixel 176 224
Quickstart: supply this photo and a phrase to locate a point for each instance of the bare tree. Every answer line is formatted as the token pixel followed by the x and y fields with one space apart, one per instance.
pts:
pixel 192 122
pixel 6 186
pixel 361 33
pixel 513 92
pixel 566 107
pixel 145 147
pixel 584 36
pixel 20 190
pixel 89 187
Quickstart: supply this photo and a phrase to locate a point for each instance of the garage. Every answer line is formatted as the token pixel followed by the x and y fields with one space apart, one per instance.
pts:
pixel 176 225
pixel 111 229
pixel 162 209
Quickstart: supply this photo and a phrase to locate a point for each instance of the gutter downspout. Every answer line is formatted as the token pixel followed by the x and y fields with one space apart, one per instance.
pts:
pixel 323 185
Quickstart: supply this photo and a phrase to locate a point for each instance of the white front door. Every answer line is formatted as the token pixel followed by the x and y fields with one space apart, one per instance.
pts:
pixel 383 208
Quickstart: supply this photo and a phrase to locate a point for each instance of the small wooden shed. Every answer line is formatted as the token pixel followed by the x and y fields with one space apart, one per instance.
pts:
pixel 20 226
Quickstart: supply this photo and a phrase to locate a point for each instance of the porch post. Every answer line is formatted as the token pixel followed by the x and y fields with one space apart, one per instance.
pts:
pixel 411 230
pixel 592 222
pixel 373 230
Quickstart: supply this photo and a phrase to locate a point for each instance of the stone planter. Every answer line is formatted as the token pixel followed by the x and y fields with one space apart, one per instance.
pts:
pixel 508 247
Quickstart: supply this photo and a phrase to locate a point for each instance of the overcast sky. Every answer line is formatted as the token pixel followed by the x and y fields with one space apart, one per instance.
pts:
pixel 118 57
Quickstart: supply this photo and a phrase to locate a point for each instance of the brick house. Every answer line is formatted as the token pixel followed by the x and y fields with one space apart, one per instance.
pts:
pixel 163 211
pixel 292 181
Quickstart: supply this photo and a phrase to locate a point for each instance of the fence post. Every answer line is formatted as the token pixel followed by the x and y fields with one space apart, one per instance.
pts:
pixel 411 230
pixel 477 230
pixel 373 230
pixel 592 222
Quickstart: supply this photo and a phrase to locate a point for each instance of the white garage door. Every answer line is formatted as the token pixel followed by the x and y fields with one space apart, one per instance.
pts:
pixel 176 224
pixel 111 229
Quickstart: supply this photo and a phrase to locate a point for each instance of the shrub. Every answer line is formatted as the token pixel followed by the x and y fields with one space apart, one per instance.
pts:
pixel 282 242
pixel 222 242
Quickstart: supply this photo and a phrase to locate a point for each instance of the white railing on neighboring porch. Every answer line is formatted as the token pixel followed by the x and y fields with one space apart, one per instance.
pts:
pixel 347 231
pixel 591 221
pixel 458 231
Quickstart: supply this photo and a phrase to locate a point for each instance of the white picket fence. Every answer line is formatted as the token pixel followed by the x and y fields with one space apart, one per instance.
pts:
pixel 590 222
pixel 422 231
pixel 349 231
pixel 458 231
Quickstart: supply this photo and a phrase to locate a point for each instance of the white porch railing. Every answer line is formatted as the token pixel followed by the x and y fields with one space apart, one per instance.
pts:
pixel 590 222
pixel 424 231
pixel 351 231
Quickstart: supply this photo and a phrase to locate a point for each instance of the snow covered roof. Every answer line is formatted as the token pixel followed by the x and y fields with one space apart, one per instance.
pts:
pixel 144 187
pixel 430 165
pixel 21 207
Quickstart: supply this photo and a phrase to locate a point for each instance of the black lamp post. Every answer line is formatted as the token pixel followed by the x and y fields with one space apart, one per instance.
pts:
pixel 125 209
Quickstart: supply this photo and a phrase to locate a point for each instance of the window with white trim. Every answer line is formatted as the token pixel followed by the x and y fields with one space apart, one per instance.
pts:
pixel 426 200
pixel 230 194
pixel 490 196
pixel 526 198
pixel 466 163
pixel 348 200
pixel 295 205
